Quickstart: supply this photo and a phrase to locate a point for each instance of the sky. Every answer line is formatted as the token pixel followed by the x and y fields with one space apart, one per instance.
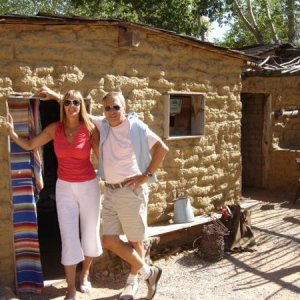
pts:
pixel 217 32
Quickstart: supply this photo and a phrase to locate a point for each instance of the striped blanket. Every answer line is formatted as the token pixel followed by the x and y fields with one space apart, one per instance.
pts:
pixel 26 182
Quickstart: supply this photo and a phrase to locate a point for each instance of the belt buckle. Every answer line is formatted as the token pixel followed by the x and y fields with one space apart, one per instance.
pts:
pixel 121 184
pixel 115 186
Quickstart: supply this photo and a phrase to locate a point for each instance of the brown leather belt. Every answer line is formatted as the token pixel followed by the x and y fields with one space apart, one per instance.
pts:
pixel 115 186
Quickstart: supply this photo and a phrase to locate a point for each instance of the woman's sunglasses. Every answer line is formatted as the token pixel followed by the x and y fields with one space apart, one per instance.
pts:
pixel 73 102
pixel 112 107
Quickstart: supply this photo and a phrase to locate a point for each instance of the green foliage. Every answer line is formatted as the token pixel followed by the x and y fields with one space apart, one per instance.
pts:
pixel 175 15
pixel 238 36
pixel 32 7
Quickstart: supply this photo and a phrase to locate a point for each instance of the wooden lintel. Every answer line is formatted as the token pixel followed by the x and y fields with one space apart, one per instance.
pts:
pixel 129 38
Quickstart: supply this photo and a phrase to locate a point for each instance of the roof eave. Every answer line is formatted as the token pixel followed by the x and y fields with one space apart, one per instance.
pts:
pixel 50 19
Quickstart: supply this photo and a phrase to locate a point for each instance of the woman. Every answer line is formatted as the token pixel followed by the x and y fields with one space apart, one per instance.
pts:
pixel 73 138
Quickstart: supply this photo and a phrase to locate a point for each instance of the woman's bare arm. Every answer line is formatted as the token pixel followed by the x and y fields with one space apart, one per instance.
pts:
pixel 43 138
pixel 95 137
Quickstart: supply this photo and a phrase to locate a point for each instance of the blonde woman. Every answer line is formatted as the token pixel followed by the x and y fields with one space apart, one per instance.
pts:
pixel 77 189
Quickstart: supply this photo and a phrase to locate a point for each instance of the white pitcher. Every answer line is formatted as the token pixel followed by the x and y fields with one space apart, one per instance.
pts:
pixel 183 211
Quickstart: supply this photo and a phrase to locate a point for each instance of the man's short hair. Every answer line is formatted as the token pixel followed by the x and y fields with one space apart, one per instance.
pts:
pixel 116 96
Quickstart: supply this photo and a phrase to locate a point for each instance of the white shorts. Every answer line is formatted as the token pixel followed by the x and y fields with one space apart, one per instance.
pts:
pixel 125 211
pixel 78 210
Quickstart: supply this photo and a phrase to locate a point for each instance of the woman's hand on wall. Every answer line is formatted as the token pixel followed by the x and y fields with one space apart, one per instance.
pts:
pixel 29 144
pixel 48 94
pixel 10 126
pixel 3 123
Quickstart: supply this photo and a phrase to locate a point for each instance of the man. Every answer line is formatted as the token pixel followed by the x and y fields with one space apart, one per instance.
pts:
pixel 130 153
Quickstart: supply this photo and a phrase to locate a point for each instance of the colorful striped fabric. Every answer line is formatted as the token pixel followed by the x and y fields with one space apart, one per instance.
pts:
pixel 29 276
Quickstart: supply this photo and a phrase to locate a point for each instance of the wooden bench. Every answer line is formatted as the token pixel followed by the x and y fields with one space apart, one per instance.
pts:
pixel 175 236
pixel 199 220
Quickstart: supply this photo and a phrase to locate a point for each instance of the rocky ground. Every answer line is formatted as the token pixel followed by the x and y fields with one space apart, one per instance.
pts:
pixel 270 272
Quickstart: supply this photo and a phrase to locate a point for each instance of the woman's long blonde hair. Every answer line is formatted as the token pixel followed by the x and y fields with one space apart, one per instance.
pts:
pixel 83 115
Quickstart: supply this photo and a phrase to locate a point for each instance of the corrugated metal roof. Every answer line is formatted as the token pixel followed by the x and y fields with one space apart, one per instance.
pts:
pixel 45 18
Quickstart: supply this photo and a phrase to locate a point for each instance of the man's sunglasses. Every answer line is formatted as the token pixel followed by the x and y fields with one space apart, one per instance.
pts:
pixel 73 102
pixel 112 107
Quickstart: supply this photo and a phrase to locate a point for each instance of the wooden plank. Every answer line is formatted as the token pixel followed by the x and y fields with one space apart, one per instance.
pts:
pixel 266 140
pixel 249 204
pixel 158 230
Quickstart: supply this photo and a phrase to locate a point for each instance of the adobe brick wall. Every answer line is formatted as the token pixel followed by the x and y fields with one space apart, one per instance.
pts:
pixel 7 276
pixel 87 57
pixel 284 91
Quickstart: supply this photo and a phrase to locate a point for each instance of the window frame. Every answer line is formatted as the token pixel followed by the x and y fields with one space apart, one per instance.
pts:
pixel 167 98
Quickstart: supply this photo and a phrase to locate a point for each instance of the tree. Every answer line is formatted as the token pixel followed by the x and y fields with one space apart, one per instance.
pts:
pixel 29 7
pixel 180 16
pixel 263 22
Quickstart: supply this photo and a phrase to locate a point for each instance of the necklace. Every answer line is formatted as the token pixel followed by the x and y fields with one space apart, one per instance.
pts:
pixel 69 132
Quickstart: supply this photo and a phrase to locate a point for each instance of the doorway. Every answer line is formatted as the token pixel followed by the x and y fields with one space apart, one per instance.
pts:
pixel 48 228
pixel 255 139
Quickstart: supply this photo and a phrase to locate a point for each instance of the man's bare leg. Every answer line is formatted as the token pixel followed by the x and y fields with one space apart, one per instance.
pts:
pixel 124 250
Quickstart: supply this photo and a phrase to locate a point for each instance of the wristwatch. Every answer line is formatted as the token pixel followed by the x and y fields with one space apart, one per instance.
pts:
pixel 149 174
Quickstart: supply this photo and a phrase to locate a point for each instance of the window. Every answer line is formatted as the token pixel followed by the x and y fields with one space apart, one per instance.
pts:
pixel 184 115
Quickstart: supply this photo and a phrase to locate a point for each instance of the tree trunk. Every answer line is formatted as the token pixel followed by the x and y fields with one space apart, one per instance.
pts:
pixel 252 26
pixel 273 31
pixel 291 20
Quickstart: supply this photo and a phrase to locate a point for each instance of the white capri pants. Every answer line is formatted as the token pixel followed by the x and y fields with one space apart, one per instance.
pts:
pixel 78 202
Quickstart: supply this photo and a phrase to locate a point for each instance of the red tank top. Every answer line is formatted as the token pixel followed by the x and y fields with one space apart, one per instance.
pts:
pixel 73 158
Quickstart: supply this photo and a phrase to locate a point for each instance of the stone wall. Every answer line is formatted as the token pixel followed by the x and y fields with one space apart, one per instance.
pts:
pixel 87 57
pixel 283 172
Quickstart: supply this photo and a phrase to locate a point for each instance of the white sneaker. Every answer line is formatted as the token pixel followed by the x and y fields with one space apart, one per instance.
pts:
pixel 152 281
pixel 86 287
pixel 129 291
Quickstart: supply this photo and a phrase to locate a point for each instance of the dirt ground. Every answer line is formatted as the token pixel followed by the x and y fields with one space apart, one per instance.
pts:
pixel 271 272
